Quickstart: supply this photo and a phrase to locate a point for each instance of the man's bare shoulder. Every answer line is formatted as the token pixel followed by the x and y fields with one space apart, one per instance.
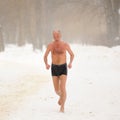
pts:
pixel 63 43
pixel 49 46
pixel 66 44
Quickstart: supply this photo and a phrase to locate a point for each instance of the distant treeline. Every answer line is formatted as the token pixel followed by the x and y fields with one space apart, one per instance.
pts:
pixel 80 21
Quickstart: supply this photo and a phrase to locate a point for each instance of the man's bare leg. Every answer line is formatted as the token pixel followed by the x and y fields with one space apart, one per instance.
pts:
pixel 62 100
pixel 56 83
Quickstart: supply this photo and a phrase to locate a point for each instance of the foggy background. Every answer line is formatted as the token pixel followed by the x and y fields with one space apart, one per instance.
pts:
pixel 95 22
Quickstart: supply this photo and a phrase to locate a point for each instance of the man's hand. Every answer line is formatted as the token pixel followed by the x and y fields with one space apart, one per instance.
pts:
pixel 47 66
pixel 69 65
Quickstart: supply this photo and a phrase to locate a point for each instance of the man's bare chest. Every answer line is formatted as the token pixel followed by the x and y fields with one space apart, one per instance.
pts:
pixel 58 49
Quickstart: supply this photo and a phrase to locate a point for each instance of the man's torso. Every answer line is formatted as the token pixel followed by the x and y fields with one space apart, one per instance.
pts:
pixel 58 52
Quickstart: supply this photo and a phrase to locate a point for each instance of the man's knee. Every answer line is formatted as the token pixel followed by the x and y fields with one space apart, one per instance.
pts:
pixel 58 92
pixel 63 90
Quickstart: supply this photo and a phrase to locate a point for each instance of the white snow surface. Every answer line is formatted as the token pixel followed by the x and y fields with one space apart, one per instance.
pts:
pixel 93 85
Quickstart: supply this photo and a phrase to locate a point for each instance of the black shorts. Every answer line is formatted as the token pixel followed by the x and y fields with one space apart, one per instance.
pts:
pixel 58 70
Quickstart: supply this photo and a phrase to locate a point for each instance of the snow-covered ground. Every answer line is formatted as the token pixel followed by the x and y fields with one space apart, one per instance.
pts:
pixel 93 85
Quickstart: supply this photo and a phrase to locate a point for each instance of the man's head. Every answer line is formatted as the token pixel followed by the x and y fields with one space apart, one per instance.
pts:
pixel 56 35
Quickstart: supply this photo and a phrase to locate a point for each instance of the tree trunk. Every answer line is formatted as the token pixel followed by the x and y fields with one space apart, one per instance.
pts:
pixel 1 40
pixel 112 19
pixel 33 25
pixel 21 38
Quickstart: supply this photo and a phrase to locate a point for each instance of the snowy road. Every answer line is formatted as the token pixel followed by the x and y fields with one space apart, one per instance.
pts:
pixel 17 82
pixel 93 86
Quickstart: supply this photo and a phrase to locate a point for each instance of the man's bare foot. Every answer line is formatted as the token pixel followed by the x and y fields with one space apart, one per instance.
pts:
pixel 62 109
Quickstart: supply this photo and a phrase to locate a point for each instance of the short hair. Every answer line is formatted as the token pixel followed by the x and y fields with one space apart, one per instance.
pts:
pixel 57 31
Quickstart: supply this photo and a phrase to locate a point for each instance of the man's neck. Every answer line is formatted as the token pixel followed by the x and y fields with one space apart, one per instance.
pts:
pixel 58 40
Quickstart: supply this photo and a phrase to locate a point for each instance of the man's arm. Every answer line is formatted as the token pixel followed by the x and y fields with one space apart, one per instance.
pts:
pixel 71 55
pixel 46 56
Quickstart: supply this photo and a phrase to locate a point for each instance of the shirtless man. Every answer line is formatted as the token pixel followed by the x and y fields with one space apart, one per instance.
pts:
pixel 58 50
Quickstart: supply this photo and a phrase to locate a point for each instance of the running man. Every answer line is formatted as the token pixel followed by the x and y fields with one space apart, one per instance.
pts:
pixel 58 49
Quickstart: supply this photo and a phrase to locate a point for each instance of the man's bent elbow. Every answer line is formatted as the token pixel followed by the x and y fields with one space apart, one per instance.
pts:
pixel 45 58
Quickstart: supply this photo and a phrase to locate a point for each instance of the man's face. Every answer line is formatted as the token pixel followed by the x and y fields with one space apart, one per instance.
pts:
pixel 56 35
